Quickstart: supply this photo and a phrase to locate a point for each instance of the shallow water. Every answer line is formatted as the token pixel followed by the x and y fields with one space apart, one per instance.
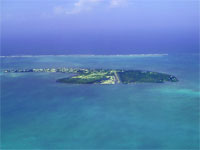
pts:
pixel 37 112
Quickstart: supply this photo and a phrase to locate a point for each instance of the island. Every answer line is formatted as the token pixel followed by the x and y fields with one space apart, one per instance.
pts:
pixel 104 76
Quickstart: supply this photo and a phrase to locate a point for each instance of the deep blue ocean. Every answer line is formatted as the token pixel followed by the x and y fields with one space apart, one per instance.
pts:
pixel 38 113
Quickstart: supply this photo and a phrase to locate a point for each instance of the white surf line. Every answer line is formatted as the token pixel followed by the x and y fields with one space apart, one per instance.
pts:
pixel 84 55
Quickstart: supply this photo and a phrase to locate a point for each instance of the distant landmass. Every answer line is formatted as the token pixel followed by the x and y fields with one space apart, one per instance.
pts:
pixel 104 76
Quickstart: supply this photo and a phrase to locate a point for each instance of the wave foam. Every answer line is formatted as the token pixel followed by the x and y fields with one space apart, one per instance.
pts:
pixel 118 55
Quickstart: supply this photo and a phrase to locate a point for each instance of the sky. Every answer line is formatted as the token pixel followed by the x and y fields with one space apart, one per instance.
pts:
pixel 45 27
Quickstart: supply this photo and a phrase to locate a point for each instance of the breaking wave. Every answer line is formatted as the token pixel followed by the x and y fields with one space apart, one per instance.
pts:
pixel 118 55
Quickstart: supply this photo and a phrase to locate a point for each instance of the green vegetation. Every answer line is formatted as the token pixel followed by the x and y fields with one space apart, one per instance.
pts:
pixel 134 76
pixel 97 76
pixel 119 76
pixel 97 79
pixel 104 76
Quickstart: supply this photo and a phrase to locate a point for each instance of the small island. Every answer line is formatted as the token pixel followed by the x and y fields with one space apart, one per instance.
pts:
pixel 104 76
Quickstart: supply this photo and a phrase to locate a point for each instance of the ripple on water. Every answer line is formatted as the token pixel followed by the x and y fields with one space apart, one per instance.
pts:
pixel 184 91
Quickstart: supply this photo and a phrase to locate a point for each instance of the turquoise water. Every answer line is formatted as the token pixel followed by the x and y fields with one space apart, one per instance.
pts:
pixel 38 113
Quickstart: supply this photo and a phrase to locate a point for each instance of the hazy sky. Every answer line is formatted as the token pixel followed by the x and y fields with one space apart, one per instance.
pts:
pixel 99 26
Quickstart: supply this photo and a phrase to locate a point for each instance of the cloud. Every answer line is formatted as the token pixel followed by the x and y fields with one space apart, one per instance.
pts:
pixel 83 5
pixel 117 3
pixel 77 7
pixel 87 5
pixel 59 10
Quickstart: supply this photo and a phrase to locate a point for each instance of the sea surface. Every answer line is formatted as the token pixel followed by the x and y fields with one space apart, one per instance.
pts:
pixel 38 113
